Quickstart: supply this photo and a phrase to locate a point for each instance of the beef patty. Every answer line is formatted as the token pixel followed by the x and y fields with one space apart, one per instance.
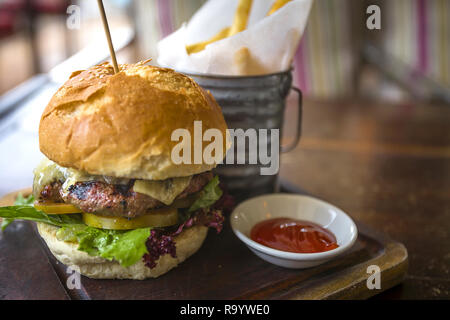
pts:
pixel 114 199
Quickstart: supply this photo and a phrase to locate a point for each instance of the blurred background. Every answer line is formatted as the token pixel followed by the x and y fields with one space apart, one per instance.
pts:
pixel 339 58
pixel 408 58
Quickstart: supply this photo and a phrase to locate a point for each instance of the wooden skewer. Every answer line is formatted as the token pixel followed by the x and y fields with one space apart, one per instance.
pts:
pixel 108 35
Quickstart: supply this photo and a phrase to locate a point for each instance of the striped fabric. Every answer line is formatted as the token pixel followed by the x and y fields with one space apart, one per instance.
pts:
pixel 159 18
pixel 324 63
pixel 417 32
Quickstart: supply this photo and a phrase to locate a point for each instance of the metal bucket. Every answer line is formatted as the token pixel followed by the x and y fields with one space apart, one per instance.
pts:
pixel 251 102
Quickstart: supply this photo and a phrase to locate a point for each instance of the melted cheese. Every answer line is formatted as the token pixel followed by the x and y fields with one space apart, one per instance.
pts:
pixel 47 172
pixel 163 190
pixel 73 176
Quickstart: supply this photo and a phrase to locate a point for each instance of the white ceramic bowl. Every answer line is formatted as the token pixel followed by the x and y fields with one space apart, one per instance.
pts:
pixel 257 209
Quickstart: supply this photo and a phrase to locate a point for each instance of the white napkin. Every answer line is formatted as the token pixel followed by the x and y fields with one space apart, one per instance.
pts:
pixel 268 44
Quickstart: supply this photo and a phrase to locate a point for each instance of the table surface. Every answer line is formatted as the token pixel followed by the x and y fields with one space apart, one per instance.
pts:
pixel 389 167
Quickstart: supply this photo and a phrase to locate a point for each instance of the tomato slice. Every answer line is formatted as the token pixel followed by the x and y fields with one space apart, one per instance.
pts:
pixel 155 218
pixel 56 208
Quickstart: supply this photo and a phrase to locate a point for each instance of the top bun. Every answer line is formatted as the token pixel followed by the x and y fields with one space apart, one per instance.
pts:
pixel 120 124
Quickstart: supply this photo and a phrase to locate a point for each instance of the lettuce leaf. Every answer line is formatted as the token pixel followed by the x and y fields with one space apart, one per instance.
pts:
pixel 126 247
pixel 23 209
pixel 5 223
pixel 26 212
pixel 208 196
pixel 20 200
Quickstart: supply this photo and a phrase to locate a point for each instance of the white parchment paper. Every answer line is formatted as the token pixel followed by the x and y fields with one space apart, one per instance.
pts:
pixel 268 44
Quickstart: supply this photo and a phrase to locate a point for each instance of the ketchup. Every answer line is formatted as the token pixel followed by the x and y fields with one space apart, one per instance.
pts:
pixel 292 235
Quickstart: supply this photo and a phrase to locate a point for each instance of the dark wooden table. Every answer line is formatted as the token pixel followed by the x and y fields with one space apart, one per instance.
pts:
pixel 388 166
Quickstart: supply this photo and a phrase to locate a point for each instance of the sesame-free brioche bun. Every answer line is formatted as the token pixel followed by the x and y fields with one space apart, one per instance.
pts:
pixel 187 243
pixel 121 124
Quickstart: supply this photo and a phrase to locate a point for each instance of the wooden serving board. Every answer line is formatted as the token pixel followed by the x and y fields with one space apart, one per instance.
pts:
pixel 224 268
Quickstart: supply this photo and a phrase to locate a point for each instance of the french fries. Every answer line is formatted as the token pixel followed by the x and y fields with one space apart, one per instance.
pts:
pixel 241 17
pixel 199 46
pixel 277 5
pixel 239 24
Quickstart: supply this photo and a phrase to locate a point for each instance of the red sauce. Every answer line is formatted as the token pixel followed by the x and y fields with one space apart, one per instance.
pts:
pixel 293 235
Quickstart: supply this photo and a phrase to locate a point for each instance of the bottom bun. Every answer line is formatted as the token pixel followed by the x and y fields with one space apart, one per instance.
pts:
pixel 187 243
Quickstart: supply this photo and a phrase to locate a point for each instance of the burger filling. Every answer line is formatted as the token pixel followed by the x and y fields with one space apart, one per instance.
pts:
pixel 121 200
pixel 126 220
pixel 111 196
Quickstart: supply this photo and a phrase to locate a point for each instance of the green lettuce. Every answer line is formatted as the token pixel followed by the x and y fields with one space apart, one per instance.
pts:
pixel 20 200
pixel 5 223
pixel 208 196
pixel 26 212
pixel 126 247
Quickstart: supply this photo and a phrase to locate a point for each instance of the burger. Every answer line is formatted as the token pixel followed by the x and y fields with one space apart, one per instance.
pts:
pixel 108 199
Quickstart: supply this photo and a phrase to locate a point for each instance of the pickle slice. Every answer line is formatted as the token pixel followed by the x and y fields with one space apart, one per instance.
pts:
pixel 155 218
pixel 56 208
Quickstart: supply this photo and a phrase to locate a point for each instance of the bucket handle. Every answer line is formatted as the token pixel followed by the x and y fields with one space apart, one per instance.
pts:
pixel 292 145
